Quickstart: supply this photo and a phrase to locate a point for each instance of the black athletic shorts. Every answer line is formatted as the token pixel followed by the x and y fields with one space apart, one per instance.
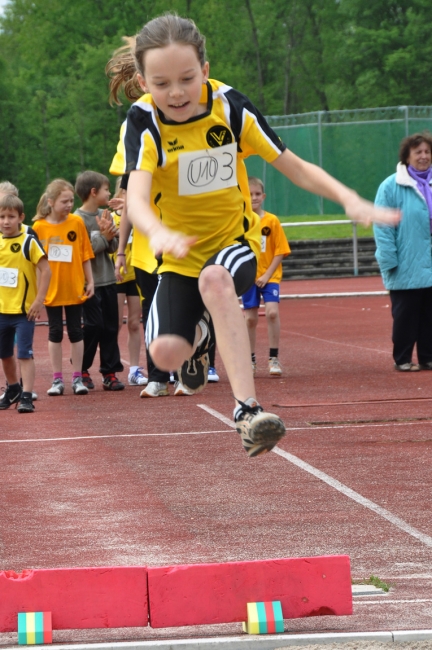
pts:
pixel 129 288
pixel 177 306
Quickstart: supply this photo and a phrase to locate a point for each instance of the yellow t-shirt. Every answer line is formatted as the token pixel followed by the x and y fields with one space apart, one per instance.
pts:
pixel 182 157
pixel 19 256
pixel 273 242
pixel 69 242
pixel 130 275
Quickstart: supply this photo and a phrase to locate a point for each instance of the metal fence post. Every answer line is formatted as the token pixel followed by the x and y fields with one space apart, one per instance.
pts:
pixel 320 161
pixel 405 109
pixel 355 249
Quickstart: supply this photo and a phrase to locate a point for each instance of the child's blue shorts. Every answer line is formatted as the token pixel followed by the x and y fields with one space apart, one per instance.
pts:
pixel 11 324
pixel 270 293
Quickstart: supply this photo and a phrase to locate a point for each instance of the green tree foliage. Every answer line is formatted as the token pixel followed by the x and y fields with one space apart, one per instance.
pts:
pixel 288 56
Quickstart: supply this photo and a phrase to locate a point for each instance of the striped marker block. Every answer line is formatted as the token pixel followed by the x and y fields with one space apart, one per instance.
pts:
pixel 264 618
pixel 34 628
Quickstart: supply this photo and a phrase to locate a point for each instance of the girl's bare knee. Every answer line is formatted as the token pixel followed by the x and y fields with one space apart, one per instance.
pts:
pixel 169 352
pixel 215 281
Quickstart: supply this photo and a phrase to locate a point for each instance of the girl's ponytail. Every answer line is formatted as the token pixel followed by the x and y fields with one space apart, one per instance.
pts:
pixel 122 73
pixel 43 208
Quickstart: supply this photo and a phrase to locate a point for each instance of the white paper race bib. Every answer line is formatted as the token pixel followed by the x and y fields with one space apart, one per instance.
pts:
pixel 59 253
pixel 8 277
pixel 208 170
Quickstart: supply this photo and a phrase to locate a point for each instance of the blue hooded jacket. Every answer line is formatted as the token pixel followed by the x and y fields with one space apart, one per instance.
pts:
pixel 404 251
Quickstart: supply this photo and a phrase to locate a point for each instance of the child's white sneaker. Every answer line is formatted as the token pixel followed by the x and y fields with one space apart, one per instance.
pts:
pixel 137 378
pixel 57 388
pixel 78 387
pixel 212 374
pixel 275 367
pixel 155 389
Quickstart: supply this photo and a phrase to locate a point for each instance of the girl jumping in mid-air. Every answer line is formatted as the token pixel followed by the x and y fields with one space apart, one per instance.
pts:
pixel 184 143
pixel 66 242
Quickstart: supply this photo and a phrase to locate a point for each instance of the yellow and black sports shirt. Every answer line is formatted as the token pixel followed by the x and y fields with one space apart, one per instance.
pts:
pixel 19 256
pixel 150 142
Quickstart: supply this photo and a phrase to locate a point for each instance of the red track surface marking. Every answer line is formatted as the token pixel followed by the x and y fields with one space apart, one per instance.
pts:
pixel 144 498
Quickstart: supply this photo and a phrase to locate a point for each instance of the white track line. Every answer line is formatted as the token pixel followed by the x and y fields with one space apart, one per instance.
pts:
pixel 391 602
pixel 333 342
pixel 217 415
pixel 227 421
pixel 337 485
pixel 114 435
pixel 344 294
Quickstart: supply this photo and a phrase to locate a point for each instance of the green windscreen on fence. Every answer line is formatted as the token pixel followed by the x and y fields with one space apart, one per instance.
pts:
pixel 358 147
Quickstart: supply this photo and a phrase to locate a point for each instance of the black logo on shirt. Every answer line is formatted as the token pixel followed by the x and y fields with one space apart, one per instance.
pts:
pixel 266 231
pixel 72 235
pixel 175 146
pixel 219 135
pixel 15 248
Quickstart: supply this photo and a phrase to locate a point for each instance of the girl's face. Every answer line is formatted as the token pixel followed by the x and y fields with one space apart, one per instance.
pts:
pixel 174 77
pixel 62 205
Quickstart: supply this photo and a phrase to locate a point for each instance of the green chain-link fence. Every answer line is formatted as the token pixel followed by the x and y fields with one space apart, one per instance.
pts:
pixel 358 147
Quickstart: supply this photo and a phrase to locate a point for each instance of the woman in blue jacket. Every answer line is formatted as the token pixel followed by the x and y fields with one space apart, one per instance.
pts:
pixel 404 252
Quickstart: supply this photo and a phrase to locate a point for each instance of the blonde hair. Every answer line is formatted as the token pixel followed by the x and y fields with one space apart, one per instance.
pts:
pixel 7 188
pixel 52 192
pixel 128 61
pixel 11 202
pixel 253 180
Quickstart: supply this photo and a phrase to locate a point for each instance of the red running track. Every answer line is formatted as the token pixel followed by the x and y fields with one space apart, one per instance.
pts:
pixel 109 479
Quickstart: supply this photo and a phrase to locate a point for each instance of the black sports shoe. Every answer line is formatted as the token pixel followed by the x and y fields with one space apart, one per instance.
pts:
pixel 10 396
pixel 87 380
pixel 259 431
pixel 25 404
pixel 193 374
pixel 110 382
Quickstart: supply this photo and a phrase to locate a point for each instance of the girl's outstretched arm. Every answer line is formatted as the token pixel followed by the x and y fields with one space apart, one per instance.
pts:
pixel 161 238
pixel 314 179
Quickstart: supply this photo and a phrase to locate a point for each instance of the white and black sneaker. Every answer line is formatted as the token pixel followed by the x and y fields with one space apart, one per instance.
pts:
pixel 193 374
pixel 181 390
pixel 57 388
pixel 11 396
pixel 78 387
pixel 259 431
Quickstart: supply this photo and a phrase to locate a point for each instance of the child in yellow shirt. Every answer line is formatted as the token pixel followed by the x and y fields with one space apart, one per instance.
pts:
pixel 274 247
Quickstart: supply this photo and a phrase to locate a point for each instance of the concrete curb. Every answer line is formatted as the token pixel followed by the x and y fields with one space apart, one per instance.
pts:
pixel 267 642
